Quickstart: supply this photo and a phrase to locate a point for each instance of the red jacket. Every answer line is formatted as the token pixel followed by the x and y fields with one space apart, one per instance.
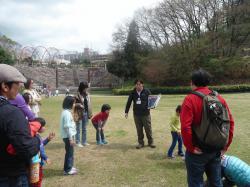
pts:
pixel 191 113
pixel 100 117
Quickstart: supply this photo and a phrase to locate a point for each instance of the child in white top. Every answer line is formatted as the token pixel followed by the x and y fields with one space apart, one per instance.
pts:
pixel 68 132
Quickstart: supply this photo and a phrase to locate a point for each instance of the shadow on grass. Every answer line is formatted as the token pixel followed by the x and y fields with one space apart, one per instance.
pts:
pixel 49 173
pixel 118 133
pixel 166 163
pixel 118 146
pixel 157 156
pixel 173 165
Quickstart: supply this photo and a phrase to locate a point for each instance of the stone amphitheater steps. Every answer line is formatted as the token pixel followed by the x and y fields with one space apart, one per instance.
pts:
pixel 67 77
pixel 41 75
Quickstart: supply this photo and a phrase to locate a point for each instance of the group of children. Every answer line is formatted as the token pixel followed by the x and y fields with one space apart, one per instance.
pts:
pixel 68 130
pixel 231 170
pixel 234 170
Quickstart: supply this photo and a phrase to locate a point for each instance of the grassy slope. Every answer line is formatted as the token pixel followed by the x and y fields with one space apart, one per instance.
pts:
pixel 119 163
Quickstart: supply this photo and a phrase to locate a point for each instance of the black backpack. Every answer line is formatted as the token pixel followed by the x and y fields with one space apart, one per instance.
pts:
pixel 213 132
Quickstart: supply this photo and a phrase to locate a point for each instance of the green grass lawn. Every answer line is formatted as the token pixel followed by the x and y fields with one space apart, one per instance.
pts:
pixel 119 163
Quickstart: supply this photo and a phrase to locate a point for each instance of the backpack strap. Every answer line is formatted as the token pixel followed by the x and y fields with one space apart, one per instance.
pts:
pixel 213 93
pixel 198 94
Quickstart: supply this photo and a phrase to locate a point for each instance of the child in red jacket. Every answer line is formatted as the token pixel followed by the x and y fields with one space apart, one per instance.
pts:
pixel 99 121
pixel 36 126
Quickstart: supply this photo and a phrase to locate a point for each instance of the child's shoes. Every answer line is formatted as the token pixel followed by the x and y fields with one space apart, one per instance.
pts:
pixel 181 154
pixel 71 172
pixel 79 145
pixel 85 144
pixel 170 156
pixel 99 143
pixel 104 142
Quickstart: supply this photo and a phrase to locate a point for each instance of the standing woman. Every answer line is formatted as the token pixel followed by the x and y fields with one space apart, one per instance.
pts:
pixel 83 106
pixel 35 97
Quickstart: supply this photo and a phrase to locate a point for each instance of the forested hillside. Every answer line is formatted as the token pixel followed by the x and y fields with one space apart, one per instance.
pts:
pixel 165 43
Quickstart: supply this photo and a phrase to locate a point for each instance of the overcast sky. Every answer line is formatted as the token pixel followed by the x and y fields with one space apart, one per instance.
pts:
pixel 66 24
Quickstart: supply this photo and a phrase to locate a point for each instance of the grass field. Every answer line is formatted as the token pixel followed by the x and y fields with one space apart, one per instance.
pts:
pixel 119 163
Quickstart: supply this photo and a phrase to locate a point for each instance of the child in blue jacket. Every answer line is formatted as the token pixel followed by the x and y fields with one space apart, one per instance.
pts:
pixel 235 171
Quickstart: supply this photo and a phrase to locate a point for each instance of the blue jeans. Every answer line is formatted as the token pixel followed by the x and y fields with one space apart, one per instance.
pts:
pixel 99 134
pixel 69 155
pixel 175 138
pixel 196 165
pixel 18 181
pixel 82 124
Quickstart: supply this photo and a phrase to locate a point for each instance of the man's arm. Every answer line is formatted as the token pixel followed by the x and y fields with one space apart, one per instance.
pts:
pixel 19 136
pixel 130 98
pixel 186 119
pixel 231 130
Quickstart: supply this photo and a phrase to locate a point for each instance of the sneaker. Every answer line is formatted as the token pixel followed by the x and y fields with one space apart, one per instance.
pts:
pixel 79 145
pixel 104 142
pixel 85 144
pixel 73 168
pixel 152 145
pixel 71 172
pixel 181 154
pixel 139 146
pixel 171 157
pixel 99 143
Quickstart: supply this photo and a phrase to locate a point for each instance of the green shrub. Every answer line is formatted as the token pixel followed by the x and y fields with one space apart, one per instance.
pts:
pixel 187 89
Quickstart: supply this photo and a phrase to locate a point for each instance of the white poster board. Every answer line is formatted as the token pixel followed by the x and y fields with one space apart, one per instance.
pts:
pixel 153 101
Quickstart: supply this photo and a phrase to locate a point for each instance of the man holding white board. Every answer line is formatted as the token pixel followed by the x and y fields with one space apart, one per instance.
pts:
pixel 141 112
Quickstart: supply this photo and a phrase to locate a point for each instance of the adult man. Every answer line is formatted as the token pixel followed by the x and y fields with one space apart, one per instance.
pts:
pixel 14 130
pixel 199 161
pixel 142 117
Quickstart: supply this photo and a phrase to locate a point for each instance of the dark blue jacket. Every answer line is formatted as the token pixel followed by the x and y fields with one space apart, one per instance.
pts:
pixel 139 109
pixel 14 130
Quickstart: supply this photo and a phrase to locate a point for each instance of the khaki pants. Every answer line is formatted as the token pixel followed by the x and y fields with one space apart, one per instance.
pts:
pixel 140 122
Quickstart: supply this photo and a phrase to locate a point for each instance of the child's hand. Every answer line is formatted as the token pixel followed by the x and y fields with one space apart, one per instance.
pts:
pixel 51 136
pixel 48 161
pixel 71 142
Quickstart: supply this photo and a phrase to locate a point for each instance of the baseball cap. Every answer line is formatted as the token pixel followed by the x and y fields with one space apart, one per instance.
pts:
pixel 10 74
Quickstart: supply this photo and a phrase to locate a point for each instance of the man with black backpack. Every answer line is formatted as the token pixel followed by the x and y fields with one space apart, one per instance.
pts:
pixel 14 130
pixel 207 130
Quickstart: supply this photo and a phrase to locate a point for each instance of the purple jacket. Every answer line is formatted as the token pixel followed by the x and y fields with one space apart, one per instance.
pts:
pixel 20 103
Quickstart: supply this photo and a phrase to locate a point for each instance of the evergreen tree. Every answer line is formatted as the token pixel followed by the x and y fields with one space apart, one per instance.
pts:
pixel 132 49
